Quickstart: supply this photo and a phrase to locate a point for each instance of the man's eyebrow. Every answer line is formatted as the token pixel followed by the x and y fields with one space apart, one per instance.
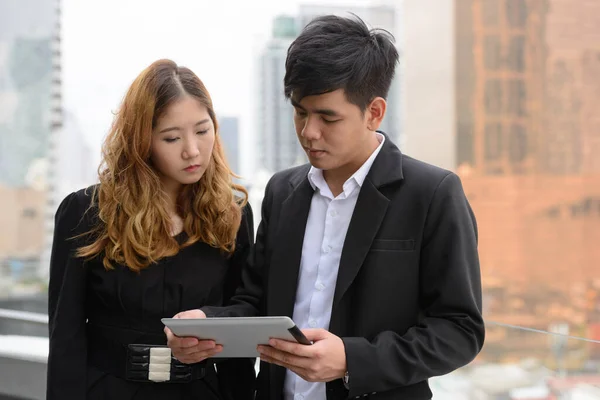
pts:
pixel 297 105
pixel 323 111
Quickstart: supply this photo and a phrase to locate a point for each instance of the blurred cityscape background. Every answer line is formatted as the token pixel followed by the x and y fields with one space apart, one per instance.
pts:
pixel 506 93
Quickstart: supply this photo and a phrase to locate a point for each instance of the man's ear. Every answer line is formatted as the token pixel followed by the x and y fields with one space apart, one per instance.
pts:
pixel 375 112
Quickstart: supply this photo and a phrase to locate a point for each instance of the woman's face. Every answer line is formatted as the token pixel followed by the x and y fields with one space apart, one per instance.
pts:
pixel 182 143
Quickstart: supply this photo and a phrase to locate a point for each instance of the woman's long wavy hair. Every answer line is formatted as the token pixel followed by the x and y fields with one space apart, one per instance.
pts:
pixel 134 225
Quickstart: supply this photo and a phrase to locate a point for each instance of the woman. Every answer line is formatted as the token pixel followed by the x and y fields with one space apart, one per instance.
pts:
pixel 162 232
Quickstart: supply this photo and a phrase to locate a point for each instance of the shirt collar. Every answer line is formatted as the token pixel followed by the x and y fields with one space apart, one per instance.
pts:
pixel 316 180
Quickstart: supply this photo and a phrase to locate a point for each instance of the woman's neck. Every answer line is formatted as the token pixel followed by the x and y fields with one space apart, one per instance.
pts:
pixel 175 219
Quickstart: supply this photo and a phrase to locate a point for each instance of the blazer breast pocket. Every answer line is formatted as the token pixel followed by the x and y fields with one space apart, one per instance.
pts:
pixel 393 245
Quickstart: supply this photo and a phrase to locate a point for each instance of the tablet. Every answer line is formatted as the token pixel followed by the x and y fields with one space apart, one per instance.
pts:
pixel 238 335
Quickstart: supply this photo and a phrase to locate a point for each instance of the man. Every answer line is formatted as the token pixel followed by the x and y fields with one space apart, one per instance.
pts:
pixel 372 252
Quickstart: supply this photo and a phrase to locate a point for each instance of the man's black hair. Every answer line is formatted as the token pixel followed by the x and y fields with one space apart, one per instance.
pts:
pixel 334 53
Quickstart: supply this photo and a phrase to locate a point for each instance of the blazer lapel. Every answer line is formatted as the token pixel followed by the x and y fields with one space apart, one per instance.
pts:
pixel 369 211
pixel 368 215
pixel 287 251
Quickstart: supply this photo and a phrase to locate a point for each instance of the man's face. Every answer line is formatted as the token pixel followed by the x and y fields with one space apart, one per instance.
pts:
pixel 333 132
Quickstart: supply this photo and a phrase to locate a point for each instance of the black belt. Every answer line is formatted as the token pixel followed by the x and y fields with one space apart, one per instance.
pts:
pixel 125 354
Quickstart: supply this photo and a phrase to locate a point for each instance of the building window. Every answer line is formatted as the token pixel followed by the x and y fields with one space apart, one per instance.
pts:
pixel 29 213
pixel 490 11
pixel 553 212
pixel 493 141
pixel 516 13
pixel 464 144
pixel 492 52
pixel 516 53
pixel 494 170
pixel 517 144
pixel 517 98
pixel 493 96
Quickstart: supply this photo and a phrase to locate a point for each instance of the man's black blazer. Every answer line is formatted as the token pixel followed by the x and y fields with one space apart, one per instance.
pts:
pixel 407 302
